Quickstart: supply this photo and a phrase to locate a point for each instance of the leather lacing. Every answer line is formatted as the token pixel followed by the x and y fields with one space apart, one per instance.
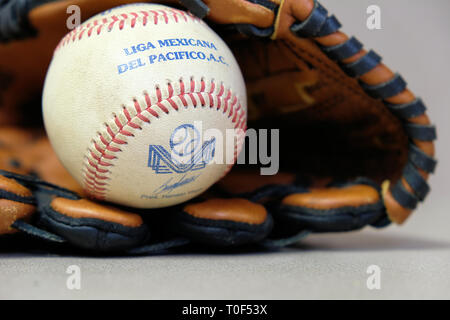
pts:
pixel 349 54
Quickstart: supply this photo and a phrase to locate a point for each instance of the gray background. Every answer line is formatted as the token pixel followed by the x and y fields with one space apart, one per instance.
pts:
pixel 414 259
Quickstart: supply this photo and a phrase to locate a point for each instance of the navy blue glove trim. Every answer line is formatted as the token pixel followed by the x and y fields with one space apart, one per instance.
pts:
pixel 416 181
pixel 330 220
pixel 219 232
pixel 383 222
pixel 330 26
pixel 344 50
pixel 421 160
pixel 362 65
pixel 387 89
pixel 253 31
pixel 311 26
pixel 404 197
pixel 409 110
pixel 284 242
pixel 14 23
pixel 196 7
pixel 37 232
pixel 16 198
pixel 421 132
pixel 159 246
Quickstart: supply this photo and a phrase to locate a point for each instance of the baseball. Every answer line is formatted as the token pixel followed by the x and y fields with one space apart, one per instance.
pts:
pixel 131 100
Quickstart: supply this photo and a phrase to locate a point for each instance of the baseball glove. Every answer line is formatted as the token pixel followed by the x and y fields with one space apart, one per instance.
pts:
pixel 356 146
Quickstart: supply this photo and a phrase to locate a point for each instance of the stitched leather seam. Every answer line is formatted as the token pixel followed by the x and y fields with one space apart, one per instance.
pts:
pixel 106 146
pixel 340 78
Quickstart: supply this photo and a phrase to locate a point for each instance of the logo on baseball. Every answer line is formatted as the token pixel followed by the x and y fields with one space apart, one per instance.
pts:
pixel 128 97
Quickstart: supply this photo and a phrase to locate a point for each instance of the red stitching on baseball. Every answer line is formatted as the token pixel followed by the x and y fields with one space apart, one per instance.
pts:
pixel 203 84
pixel 134 19
pixel 159 16
pixel 97 155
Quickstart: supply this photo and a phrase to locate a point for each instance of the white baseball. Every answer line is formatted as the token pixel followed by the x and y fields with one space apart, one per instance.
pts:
pixel 123 99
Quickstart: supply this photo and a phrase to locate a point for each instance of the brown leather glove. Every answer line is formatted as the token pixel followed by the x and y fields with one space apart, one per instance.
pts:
pixel 356 146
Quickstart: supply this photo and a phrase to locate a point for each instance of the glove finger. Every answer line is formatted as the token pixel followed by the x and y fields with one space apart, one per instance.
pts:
pixel 223 222
pixel 242 12
pixel 301 203
pixel 16 203
pixel 63 217
pixel 90 225
pixel 343 208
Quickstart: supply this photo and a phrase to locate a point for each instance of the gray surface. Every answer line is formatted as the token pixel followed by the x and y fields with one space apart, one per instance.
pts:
pixel 330 267
pixel 414 259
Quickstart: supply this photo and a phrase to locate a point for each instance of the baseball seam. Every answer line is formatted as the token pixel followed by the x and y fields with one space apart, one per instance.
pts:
pixel 104 149
pixel 107 23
